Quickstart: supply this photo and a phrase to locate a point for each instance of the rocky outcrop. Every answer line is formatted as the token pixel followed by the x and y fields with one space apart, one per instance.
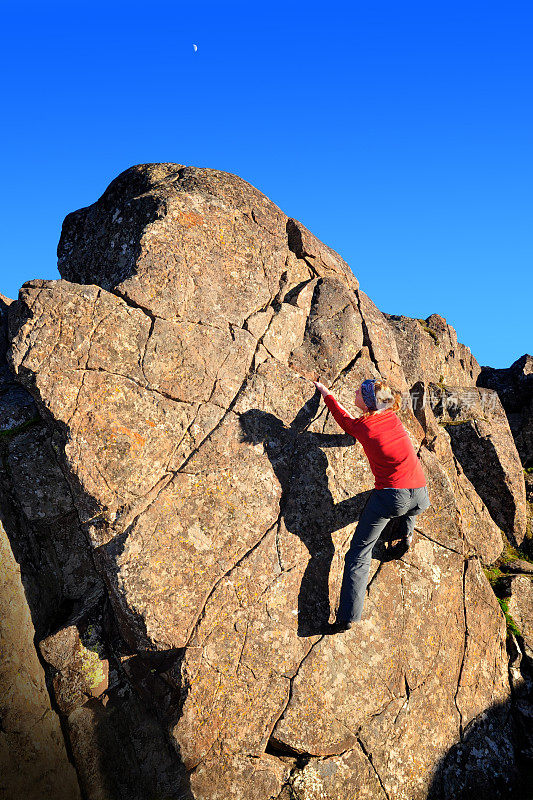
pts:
pixel 479 533
pixel 482 442
pixel 214 498
pixel 515 390
pixel 430 352
pixel 514 387
pixel 474 419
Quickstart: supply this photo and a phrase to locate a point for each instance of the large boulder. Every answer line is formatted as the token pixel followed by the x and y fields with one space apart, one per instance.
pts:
pixel 217 497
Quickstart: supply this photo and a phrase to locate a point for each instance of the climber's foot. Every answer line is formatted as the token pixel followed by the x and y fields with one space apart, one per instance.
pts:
pixel 339 626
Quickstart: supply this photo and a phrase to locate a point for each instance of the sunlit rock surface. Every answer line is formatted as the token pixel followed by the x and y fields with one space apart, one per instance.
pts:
pixel 210 499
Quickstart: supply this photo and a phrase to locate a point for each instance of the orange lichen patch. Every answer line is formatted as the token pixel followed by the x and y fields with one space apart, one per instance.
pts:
pixel 138 440
pixel 108 430
pixel 189 219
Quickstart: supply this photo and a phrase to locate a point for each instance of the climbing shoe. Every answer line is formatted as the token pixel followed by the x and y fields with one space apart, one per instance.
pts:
pixel 339 626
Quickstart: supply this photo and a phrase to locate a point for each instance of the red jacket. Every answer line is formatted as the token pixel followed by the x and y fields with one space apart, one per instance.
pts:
pixel 392 457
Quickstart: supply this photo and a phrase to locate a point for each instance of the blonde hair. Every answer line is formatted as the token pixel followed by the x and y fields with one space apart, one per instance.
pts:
pixel 384 394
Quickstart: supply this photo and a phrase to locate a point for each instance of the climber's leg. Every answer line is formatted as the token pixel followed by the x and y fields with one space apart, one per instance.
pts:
pixel 382 504
pixel 406 523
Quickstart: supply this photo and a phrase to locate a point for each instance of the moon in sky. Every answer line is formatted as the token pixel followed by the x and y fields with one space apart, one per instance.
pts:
pixel 195 48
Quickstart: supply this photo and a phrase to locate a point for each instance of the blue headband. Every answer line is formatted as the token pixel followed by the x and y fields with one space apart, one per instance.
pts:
pixel 367 390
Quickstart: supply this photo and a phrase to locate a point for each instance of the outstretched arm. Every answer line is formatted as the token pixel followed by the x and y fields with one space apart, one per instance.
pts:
pixel 340 414
pixel 325 392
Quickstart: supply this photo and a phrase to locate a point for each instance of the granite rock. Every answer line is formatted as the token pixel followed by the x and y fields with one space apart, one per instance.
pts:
pixel 216 498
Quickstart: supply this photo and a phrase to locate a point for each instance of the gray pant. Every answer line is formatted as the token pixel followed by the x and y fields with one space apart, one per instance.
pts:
pixel 381 506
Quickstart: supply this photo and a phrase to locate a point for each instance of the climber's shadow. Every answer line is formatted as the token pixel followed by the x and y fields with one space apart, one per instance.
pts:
pixel 306 504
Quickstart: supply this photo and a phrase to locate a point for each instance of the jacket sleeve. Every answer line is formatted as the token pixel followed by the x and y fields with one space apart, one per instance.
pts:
pixel 341 415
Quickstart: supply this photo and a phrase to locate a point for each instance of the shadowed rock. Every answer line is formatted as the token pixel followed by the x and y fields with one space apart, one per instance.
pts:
pixel 33 759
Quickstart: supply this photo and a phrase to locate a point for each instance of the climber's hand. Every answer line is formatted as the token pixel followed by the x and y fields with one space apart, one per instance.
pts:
pixel 321 388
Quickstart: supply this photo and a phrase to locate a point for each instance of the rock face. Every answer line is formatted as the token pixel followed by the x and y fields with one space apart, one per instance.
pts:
pixel 33 759
pixel 482 441
pixel 119 748
pixel 204 500
pixel 477 424
pixel 521 607
pixel 430 351
pixel 515 389
pixel 37 505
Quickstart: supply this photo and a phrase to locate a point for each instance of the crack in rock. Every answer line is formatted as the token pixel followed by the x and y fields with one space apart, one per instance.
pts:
pixel 371 762
pixel 461 731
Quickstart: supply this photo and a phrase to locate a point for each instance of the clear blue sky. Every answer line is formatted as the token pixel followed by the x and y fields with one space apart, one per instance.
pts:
pixel 400 133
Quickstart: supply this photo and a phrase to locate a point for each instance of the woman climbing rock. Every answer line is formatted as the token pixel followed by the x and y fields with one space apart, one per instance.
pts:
pixel 400 486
